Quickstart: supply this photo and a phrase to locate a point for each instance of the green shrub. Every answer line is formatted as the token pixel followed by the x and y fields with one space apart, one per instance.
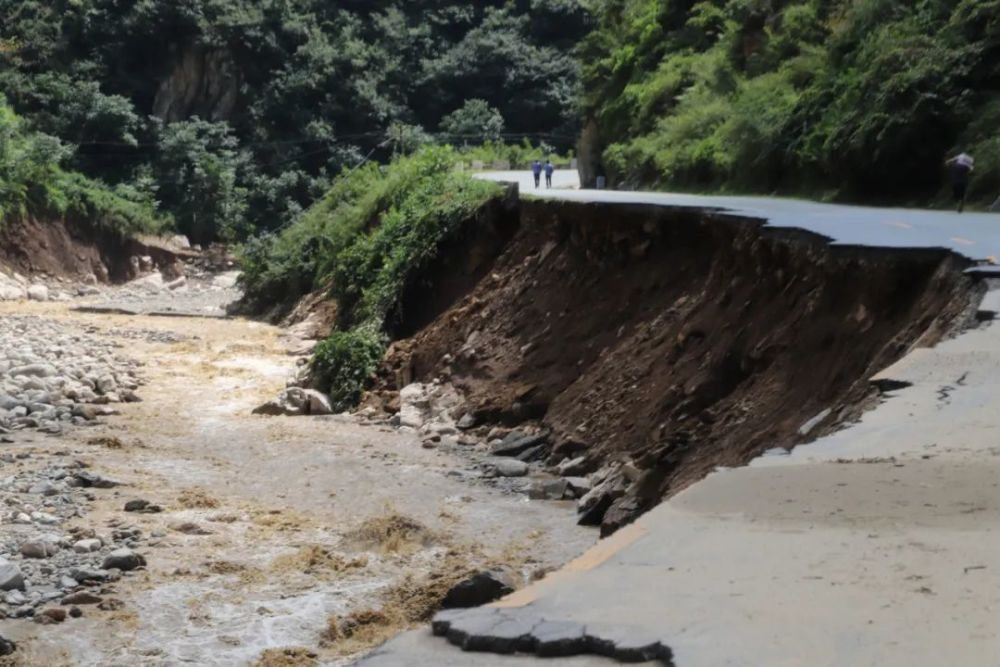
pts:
pixel 865 97
pixel 370 237
pixel 519 156
pixel 32 183
pixel 343 364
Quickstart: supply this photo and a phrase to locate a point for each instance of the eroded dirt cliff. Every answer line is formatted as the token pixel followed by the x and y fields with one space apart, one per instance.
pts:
pixel 670 342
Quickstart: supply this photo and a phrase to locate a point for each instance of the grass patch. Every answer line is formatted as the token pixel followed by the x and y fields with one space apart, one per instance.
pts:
pixel 314 559
pixel 293 656
pixel 370 237
pixel 196 499
pixel 391 533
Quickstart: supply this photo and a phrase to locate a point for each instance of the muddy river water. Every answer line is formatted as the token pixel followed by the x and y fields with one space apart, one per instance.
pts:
pixel 271 525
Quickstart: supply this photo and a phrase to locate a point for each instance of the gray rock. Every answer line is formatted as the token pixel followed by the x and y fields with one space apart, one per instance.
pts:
pixel 87 546
pixel 580 486
pixel 517 442
pixel 510 468
pixel 86 479
pixel 467 421
pixel 574 467
pixel 44 489
pixel 552 489
pixel 15 598
pixel 137 505
pixel 10 576
pixel 39 549
pixel 38 293
pixel 89 576
pixel 479 589
pixel 7 647
pixel 123 559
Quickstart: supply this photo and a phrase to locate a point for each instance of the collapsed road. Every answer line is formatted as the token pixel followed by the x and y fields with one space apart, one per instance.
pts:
pixel 872 544
pixel 618 353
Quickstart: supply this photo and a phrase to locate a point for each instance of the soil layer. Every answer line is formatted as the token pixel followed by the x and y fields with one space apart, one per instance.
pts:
pixel 64 249
pixel 678 340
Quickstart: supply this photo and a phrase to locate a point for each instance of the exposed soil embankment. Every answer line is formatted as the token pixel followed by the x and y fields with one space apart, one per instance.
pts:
pixel 677 340
pixel 68 250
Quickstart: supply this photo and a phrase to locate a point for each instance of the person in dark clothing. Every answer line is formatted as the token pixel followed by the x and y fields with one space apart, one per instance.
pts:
pixel 536 170
pixel 549 169
pixel 960 168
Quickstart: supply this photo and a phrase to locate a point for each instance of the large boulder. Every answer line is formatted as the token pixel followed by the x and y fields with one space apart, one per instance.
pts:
pixel 413 405
pixel 12 293
pixel 295 401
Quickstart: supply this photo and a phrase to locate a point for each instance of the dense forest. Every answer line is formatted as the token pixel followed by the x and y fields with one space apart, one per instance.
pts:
pixel 229 118
pixel 233 115
pixel 850 99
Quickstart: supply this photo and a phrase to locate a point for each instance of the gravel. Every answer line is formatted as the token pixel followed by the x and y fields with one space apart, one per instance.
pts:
pixel 42 559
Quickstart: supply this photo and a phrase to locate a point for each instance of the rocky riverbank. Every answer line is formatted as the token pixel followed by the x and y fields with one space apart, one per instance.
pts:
pixel 50 569
pixel 54 375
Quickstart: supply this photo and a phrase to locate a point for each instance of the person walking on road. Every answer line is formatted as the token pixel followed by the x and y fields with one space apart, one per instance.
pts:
pixel 959 169
pixel 549 169
pixel 536 170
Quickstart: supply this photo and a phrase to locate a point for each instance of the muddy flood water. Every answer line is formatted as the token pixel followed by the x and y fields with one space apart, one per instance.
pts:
pixel 274 529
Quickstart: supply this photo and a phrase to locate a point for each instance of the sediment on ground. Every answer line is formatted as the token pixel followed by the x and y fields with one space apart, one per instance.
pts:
pixel 658 344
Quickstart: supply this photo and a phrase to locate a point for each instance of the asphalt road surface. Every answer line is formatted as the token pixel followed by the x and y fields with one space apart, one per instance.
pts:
pixel 875 545
pixel 974 235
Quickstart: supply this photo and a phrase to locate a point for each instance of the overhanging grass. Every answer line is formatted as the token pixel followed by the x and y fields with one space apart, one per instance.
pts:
pixel 370 236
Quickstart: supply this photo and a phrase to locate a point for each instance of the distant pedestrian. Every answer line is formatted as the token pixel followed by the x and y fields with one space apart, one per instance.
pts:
pixel 536 170
pixel 960 168
pixel 549 168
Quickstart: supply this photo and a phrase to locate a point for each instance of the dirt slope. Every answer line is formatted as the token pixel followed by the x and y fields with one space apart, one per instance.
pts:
pixel 65 249
pixel 677 340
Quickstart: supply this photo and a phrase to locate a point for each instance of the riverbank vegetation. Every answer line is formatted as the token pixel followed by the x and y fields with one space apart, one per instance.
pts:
pixel 365 241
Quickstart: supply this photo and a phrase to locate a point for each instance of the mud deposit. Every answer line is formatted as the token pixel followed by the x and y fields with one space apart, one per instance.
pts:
pixel 676 341
pixel 281 540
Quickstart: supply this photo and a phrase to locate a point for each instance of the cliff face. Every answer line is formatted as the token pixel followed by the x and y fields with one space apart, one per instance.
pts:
pixel 203 82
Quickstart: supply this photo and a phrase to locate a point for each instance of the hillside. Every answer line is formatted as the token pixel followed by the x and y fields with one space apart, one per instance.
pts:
pixel 851 99
pixel 235 114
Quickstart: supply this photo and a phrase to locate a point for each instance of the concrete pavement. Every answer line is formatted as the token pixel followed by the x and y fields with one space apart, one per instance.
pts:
pixel 876 545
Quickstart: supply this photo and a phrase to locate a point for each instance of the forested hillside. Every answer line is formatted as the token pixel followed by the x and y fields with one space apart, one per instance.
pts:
pixel 855 99
pixel 235 114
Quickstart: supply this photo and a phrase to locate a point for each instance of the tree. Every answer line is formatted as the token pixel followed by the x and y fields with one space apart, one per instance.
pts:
pixel 475 121
pixel 196 169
